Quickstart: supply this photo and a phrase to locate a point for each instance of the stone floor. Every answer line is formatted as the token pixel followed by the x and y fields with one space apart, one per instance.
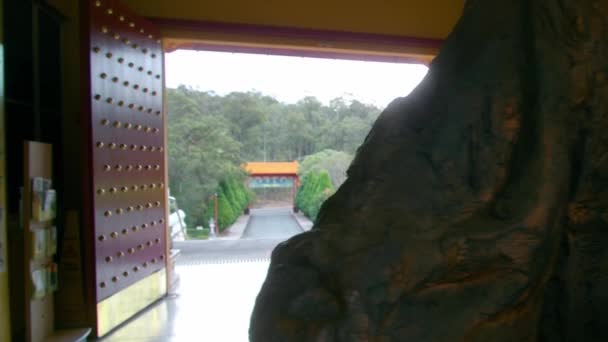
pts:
pixel 219 281
pixel 213 304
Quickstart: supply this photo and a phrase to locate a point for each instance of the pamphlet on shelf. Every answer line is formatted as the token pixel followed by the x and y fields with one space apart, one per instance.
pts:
pixel 52 278
pixel 43 200
pixel 51 244
pixel 40 281
pixel 40 241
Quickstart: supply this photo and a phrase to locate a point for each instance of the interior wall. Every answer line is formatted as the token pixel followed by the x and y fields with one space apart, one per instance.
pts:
pixel 5 327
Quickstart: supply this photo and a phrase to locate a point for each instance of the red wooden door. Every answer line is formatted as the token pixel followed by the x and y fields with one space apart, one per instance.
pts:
pixel 127 174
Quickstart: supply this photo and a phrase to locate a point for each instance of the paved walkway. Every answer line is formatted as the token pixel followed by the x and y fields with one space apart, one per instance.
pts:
pixel 235 231
pixel 275 223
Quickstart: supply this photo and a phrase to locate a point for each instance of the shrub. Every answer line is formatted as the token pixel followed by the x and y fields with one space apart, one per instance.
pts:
pixel 233 198
pixel 315 189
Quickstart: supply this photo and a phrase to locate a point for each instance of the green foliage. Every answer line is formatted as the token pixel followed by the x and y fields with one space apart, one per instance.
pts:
pixel 315 189
pixel 210 136
pixel 233 198
pixel 334 162
pixel 194 234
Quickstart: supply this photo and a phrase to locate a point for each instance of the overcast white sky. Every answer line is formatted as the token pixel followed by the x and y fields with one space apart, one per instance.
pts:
pixel 289 79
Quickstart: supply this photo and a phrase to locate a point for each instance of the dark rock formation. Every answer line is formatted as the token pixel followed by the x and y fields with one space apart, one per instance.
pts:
pixel 477 208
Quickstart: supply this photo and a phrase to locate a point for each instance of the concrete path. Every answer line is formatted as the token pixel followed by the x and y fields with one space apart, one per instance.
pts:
pixel 275 223
pixel 235 231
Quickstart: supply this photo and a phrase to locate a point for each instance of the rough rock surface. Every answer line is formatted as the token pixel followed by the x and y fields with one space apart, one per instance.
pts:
pixel 477 208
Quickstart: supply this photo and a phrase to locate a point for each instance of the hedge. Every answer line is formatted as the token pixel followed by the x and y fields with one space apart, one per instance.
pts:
pixel 233 198
pixel 316 187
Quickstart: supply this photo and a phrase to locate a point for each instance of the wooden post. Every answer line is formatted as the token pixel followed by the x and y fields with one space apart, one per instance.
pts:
pixel 217 223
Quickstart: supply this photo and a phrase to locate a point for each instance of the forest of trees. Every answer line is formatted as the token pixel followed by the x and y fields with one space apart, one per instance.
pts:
pixel 210 136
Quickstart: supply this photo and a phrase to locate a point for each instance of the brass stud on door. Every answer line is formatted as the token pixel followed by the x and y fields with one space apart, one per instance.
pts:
pixel 123 146
pixel 120 254
pixel 101 238
pixel 110 100
pixel 105 122
pixel 118 167
pixel 112 146
pixel 109 259
pixel 114 235
pixel 107 168
pixel 134 229
pixel 162 257
pixel 97 3
pixel 125 274
pixel 114 279
pixel 110 11
pixel 109 55
pixel 101 191
pixel 121 18
pixel 125 83
pixel 102 285
pixel 103 75
pixel 131 250
pixel 97 97
pixel 125 231
pixel 104 29
pixel 131 24
pixel 149 243
pixel 99 144
pixel 121 60
pixel 136 269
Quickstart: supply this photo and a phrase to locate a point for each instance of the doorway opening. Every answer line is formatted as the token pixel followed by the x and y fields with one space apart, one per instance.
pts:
pixel 256 144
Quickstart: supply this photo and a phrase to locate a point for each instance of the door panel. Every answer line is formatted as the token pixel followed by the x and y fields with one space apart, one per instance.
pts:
pixel 127 152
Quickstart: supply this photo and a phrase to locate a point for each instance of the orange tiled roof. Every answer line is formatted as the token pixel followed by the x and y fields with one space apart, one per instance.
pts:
pixel 271 168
